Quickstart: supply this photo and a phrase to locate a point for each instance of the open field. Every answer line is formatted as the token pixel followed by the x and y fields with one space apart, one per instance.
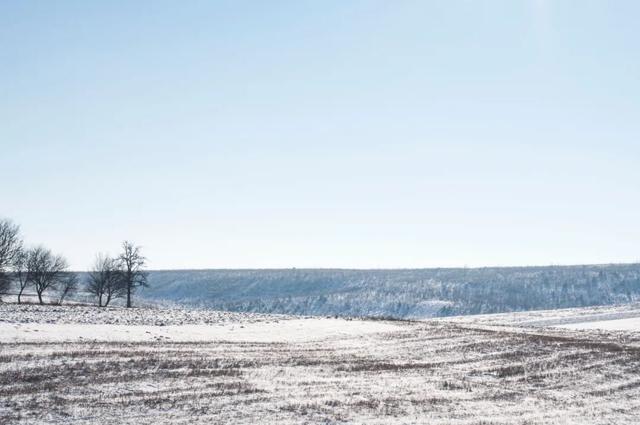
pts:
pixel 553 318
pixel 437 372
pixel 34 323
pixel 630 324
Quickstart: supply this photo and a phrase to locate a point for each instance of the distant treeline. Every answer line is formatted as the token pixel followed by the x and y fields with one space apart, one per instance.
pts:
pixel 399 293
pixel 27 270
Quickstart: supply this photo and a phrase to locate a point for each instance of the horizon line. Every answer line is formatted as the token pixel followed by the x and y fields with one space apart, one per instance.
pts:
pixel 534 266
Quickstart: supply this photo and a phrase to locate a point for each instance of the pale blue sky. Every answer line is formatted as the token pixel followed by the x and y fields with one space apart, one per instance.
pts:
pixel 324 133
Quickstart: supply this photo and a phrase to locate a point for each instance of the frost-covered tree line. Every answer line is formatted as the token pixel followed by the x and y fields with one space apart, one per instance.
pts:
pixel 36 269
pixel 400 293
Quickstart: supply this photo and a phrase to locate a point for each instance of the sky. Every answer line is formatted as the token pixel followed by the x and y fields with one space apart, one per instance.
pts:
pixel 333 133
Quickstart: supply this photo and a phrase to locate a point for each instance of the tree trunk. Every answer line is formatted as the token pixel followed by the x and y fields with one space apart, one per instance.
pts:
pixel 40 297
pixel 129 296
pixel 20 295
pixel 100 300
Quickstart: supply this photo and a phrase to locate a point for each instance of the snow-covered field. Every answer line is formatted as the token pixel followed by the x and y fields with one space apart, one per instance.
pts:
pixel 87 314
pixel 559 317
pixel 83 365
pixel 631 324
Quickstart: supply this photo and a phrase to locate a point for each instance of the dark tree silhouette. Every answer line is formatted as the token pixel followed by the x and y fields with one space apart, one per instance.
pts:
pixel 106 280
pixel 20 275
pixel 10 246
pixel 45 270
pixel 132 263
pixel 68 286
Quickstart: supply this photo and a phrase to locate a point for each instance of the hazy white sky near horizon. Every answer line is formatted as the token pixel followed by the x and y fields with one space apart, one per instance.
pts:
pixel 324 133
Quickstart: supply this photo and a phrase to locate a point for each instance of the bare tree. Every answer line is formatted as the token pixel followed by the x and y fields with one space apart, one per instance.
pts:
pixel 10 246
pixel 45 270
pixel 20 272
pixel 106 280
pixel 68 286
pixel 114 287
pixel 132 263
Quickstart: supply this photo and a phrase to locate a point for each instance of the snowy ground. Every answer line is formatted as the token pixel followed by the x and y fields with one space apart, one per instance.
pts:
pixel 199 367
pixel 632 324
pixel 545 318
pixel 83 314
pixel 74 323
pixel 267 331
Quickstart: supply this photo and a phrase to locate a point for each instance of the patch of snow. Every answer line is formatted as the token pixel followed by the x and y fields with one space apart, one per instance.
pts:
pixel 294 330
pixel 553 318
pixel 630 324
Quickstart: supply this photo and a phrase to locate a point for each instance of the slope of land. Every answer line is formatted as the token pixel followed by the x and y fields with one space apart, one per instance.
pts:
pixel 554 318
pixel 419 293
pixel 446 371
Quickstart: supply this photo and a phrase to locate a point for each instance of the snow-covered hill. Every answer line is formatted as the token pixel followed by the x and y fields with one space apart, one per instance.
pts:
pixel 419 293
